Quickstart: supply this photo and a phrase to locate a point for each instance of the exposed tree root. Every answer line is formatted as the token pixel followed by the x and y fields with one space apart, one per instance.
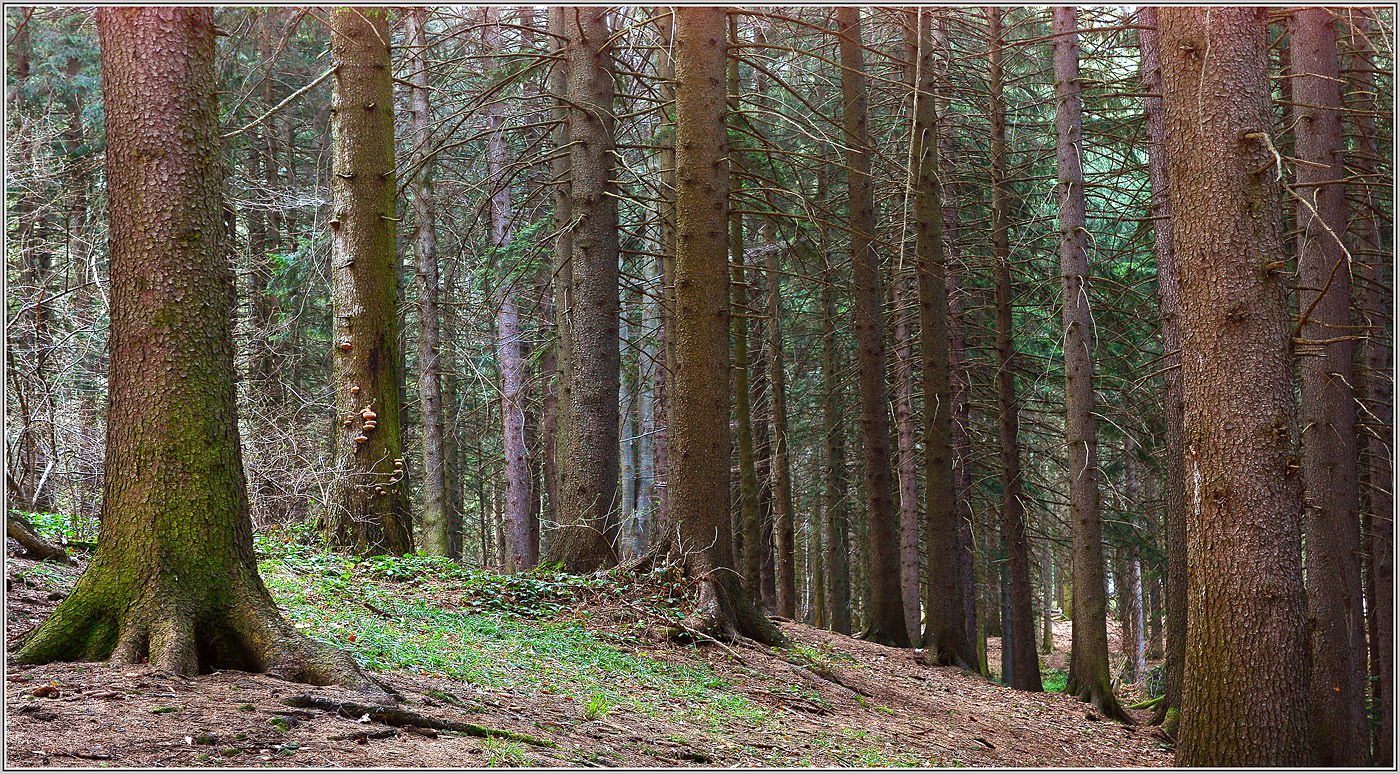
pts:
pixel 396 716
pixel 231 629
pixel 723 611
pixel 23 532
pixel 1101 698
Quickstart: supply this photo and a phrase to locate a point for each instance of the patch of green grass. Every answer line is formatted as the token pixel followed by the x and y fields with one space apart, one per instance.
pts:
pixel 501 752
pixel 596 707
pixel 501 637
pixel 1054 680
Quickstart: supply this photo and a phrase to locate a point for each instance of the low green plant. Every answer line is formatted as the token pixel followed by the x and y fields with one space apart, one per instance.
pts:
pixel 596 707
pixel 1053 680
pixel 503 752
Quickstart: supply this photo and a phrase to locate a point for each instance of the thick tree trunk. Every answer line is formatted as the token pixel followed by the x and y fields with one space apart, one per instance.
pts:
pixel 1173 441
pixel 1374 306
pixel 1246 641
pixel 886 615
pixel 1088 672
pixel 1021 623
pixel 698 425
pixel 946 635
pixel 369 509
pixel 174 579
pixel 436 537
pixel 1331 527
pixel 587 535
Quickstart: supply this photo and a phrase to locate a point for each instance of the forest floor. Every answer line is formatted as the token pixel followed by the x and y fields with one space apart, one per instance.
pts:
pixel 556 671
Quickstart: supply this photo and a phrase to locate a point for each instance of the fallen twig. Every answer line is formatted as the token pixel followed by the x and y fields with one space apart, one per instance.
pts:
pixel 394 716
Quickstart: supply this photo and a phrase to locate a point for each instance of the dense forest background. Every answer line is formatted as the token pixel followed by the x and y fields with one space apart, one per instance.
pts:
pixel 481 155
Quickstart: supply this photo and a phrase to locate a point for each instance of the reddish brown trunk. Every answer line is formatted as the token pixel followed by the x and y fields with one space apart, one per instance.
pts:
pixel 885 622
pixel 1246 640
pixel 1374 304
pixel 698 424
pixel 1019 629
pixel 1330 525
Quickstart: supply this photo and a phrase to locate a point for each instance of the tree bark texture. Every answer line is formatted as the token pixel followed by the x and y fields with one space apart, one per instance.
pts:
pixel 369 508
pixel 587 534
pixel 510 360
pixel 698 424
pixel 1168 305
pixel 1026 674
pixel 174 579
pixel 1331 525
pixel 1374 304
pixel 750 518
pixel 1246 640
pixel 436 537
pixel 946 636
pixel 1088 673
pixel 783 511
pixel 885 620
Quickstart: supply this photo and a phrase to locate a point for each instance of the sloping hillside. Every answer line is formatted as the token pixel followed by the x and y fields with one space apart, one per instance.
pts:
pixel 553 671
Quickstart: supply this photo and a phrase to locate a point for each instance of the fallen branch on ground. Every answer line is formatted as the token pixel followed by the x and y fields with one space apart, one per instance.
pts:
pixel 394 716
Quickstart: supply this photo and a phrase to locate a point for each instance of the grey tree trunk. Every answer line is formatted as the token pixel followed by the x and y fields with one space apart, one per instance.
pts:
pixel 436 537
pixel 1088 673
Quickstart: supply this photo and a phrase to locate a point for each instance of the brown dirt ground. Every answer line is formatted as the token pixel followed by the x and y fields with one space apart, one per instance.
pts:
pixel 128 716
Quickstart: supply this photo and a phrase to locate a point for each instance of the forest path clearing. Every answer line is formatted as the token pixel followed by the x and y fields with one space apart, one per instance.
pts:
pixel 577 672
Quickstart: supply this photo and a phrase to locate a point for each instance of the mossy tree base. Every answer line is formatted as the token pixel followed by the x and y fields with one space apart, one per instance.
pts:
pixel 183 631
pixel 1100 697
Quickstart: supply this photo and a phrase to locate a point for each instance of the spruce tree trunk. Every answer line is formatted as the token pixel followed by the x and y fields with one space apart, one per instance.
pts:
pixel 1246 641
pixel 785 553
pixel 1374 304
pixel 698 424
pixel 665 23
pixel 957 344
pixel 436 538
pixel 369 507
pixel 174 579
pixel 1173 441
pixel 750 519
pixel 835 490
pixel 1021 622
pixel 946 635
pixel 1088 673
pixel 560 477
pixel 1332 534
pixel 587 535
pixel 510 361
pixel 905 312
pixel 885 619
